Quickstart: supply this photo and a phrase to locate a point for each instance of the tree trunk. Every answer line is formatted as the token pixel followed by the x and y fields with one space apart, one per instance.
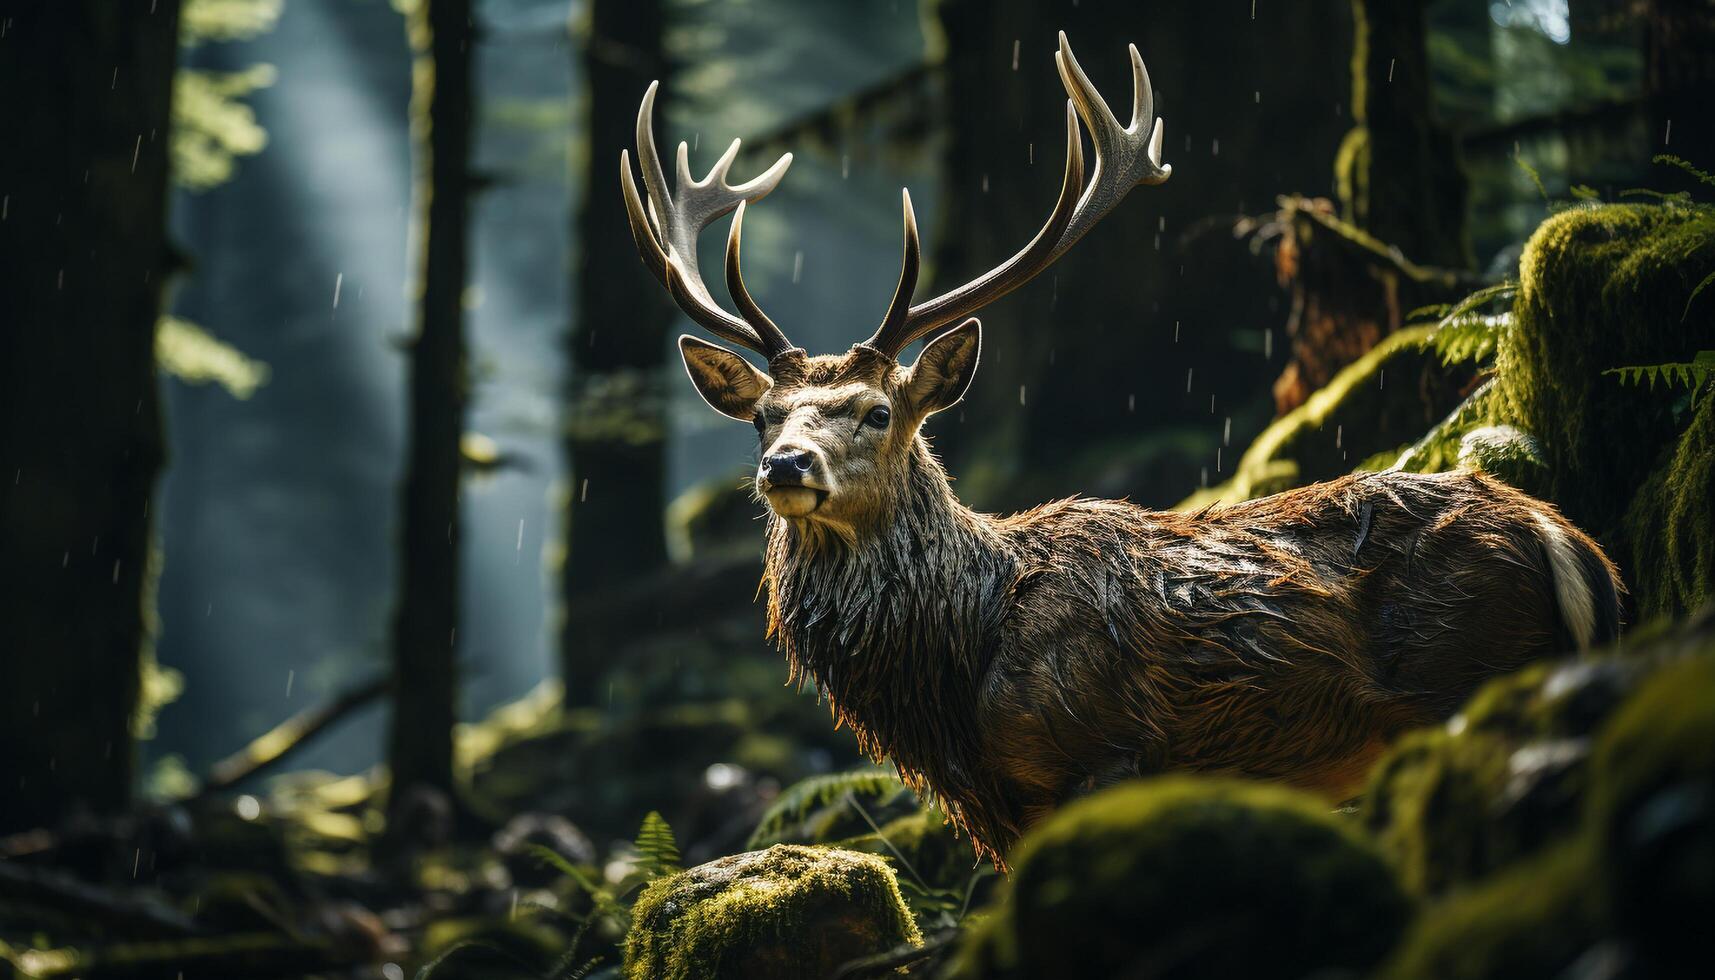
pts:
pixel 1398 172
pixel 1088 386
pixel 1679 84
pixel 615 428
pixel 425 627
pixel 83 184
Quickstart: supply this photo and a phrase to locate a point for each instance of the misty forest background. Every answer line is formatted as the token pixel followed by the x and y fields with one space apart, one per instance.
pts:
pixel 338 408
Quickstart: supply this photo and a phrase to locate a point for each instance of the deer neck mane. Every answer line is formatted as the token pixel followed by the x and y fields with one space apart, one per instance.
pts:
pixel 898 628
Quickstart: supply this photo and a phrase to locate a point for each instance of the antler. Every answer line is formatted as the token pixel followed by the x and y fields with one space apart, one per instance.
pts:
pixel 666 235
pixel 1125 157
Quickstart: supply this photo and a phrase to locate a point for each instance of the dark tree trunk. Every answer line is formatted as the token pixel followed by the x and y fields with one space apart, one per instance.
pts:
pixel 83 180
pixel 615 428
pixel 1679 83
pixel 1098 377
pixel 1398 172
pixel 425 627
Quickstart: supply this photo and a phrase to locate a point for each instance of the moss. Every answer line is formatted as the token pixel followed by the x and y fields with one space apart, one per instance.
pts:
pixel 924 838
pixel 1671 524
pixel 1344 422
pixel 1534 920
pixel 786 912
pixel 1503 780
pixel 1187 876
pixel 1652 808
pixel 1429 804
pixel 1600 287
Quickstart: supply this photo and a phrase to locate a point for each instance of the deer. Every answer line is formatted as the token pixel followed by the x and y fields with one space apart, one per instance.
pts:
pixel 1004 664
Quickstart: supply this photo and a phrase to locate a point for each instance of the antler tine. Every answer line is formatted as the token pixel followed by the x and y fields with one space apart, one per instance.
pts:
pixel 900 328
pixel 752 313
pixel 666 227
pixel 1125 157
pixel 890 337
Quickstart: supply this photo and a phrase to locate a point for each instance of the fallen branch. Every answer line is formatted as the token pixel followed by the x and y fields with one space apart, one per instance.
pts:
pixel 280 741
pixel 41 892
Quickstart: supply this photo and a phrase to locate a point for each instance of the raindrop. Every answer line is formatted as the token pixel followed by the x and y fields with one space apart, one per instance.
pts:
pixel 1217 148
pixel 247 807
pixel 393 971
pixel 845 165
pixel 584 490
pixel 1390 62
pixel 1188 373
pixel 1015 54
pixel 1020 395
pixel 338 280
pixel 1227 432
pixel 985 183
pixel 1268 343
pixel 1131 402
pixel 1668 137
pixel 1176 331
pixel 291 675
pixel 797 266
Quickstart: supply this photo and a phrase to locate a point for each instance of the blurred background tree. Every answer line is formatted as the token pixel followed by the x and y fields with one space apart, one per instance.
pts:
pixel 85 255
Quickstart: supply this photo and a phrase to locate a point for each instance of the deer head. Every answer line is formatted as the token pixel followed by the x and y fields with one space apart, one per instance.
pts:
pixel 839 433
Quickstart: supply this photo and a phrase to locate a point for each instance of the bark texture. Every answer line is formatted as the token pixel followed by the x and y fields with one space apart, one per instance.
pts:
pixel 83 183
pixel 425 627
pixel 616 426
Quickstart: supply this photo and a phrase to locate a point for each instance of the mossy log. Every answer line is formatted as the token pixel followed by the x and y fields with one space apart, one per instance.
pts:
pixel 1190 877
pixel 780 914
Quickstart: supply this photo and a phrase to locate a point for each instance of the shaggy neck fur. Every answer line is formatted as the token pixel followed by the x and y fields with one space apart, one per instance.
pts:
pixel 898 628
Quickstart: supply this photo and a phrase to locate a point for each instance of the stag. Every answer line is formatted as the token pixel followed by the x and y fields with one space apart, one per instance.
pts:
pixel 1003 664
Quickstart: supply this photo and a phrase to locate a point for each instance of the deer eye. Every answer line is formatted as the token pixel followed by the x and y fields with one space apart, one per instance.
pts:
pixel 877 417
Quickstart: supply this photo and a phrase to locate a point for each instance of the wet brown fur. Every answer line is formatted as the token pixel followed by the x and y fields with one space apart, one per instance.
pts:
pixel 1004 664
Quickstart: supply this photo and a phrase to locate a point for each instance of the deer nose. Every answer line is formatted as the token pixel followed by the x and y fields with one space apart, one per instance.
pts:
pixel 788 468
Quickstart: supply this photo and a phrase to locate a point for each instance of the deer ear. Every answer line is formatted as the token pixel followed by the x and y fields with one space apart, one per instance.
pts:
pixel 944 370
pixel 726 381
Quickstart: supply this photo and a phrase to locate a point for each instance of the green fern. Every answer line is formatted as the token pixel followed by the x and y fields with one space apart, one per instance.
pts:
pixel 800 798
pixel 657 850
pixel 1463 332
pixel 1668 159
pixel 605 900
pixel 1693 374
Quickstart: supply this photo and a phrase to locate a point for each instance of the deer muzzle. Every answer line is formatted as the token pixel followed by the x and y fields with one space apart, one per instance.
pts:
pixel 793 481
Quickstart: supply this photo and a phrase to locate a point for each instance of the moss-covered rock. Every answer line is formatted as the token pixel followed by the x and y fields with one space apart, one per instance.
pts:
pixel 1503 779
pixel 1534 920
pixel 1601 287
pixel 1653 811
pixel 1671 524
pixel 1190 876
pixel 786 912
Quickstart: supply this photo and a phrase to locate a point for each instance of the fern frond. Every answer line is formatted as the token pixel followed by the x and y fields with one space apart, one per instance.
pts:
pixel 1469 337
pixel 1670 160
pixel 1700 288
pixel 657 849
pixel 1693 374
pixel 605 901
pixel 1530 171
pixel 796 802
pixel 488 949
